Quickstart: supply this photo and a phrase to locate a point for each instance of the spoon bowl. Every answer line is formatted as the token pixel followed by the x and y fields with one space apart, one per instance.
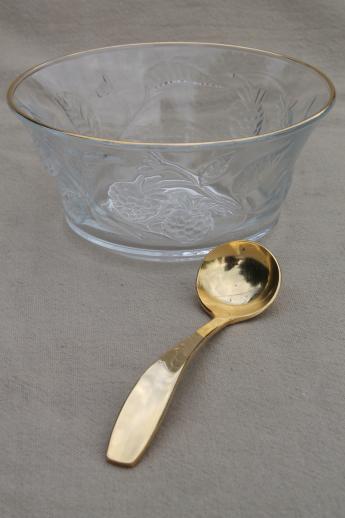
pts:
pixel 239 279
pixel 236 281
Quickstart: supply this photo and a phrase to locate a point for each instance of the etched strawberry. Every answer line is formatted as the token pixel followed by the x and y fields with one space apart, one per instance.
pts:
pixel 136 202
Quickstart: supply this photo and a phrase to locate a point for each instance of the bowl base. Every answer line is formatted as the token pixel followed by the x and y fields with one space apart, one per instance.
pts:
pixel 162 255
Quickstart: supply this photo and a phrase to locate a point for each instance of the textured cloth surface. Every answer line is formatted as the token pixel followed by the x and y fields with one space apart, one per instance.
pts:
pixel 257 429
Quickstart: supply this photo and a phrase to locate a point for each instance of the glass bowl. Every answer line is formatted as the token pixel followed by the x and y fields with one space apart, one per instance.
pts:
pixel 164 150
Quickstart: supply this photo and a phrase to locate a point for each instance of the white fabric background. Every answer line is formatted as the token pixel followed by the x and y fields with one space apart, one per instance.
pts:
pixel 257 429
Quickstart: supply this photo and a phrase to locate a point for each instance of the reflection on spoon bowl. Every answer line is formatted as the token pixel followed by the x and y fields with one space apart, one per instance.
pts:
pixel 239 278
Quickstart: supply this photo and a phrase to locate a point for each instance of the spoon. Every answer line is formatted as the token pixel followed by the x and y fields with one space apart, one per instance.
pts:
pixel 236 281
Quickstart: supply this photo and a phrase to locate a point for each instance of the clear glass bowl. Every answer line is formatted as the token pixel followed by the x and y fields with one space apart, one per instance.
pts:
pixel 164 150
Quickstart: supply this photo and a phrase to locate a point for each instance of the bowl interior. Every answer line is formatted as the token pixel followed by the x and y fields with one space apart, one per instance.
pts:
pixel 172 93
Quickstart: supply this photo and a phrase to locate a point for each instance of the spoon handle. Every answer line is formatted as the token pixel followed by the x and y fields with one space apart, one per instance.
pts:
pixel 147 403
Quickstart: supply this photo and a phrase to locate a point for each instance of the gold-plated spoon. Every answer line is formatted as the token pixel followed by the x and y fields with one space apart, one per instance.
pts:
pixel 236 281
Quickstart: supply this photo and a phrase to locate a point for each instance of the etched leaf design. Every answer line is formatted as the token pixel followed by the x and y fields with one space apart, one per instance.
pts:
pixel 39 103
pixel 263 173
pixel 54 161
pixel 105 86
pixel 79 113
pixel 216 169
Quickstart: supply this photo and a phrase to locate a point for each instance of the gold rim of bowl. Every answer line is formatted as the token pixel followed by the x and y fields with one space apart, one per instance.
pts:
pixel 14 85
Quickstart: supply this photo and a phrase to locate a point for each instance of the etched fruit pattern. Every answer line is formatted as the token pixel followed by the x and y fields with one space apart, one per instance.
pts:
pixel 171 202
pixel 166 198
